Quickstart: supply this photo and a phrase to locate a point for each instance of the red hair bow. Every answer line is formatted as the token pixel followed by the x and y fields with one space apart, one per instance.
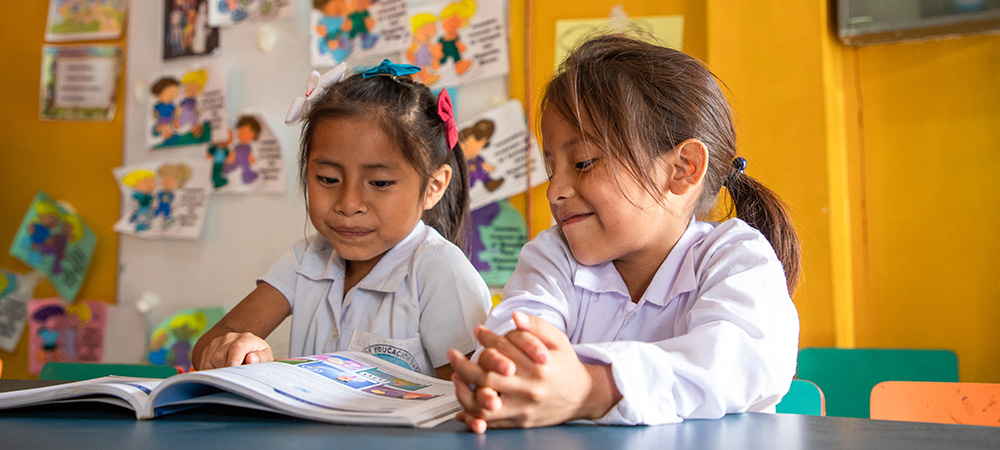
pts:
pixel 447 114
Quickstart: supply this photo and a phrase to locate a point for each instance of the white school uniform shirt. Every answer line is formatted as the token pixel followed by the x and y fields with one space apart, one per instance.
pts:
pixel 421 299
pixel 714 333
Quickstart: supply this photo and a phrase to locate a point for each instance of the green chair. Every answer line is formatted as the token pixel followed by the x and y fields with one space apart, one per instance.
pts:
pixel 803 397
pixel 76 371
pixel 847 376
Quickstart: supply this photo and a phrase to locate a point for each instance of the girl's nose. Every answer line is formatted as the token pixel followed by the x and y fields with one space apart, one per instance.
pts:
pixel 351 200
pixel 560 188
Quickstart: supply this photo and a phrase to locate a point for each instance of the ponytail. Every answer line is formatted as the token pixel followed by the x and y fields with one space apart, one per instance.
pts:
pixel 761 208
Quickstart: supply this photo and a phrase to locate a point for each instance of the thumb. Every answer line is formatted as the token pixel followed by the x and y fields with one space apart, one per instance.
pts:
pixel 544 331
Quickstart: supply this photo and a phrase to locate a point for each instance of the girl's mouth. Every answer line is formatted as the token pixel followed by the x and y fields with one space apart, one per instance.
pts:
pixel 574 218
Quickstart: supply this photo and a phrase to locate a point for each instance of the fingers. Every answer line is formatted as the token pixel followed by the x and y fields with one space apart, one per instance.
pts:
pixel 547 334
pixel 530 345
pixel 500 354
pixel 234 349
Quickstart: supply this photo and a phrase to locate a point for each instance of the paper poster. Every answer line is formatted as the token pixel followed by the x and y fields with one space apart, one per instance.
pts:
pixel 164 199
pixel 224 13
pixel 668 30
pixel 351 30
pixel 458 42
pixel 496 148
pixel 187 107
pixel 186 31
pixel 249 161
pixel 54 240
pixel 79 82
pixel 82 20
pixel 174 337
pixel 497 234
pixel 60 331
pixel 15 291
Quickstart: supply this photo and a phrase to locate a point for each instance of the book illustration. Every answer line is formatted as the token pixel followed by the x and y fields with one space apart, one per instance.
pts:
pixel 187 108
pixel 186 31
pixel 391 380
pixel 457 42
pixel 356 30
pixel 249 161
pixel 60 331
pixel 298 390
pixel 163 198
pixel 54 239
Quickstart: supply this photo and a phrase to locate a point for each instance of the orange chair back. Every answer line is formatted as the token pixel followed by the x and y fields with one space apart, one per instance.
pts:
pixel 938 402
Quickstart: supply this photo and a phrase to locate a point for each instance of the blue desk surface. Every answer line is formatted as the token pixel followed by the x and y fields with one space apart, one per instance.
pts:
pixel 85 426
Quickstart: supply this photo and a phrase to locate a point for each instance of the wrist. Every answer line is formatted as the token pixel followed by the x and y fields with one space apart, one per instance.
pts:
pixel 603 394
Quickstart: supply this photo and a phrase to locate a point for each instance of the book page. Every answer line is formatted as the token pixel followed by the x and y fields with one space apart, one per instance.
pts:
pixel 126 392
pixel 343 388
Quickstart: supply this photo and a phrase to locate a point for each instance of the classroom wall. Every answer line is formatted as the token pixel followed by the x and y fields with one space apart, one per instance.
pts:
pixel 70 161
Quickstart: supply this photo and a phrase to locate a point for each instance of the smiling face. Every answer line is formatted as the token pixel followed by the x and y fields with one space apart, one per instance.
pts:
pixel 364 196
pixel 604 219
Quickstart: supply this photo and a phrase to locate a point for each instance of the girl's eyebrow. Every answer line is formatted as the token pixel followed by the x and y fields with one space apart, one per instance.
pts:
pixel 374 166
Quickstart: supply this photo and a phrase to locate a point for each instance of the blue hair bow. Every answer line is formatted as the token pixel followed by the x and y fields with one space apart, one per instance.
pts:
pixel 388 68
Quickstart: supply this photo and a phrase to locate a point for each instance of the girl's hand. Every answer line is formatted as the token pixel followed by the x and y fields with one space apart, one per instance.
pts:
pixel 531 377
pixel 234 349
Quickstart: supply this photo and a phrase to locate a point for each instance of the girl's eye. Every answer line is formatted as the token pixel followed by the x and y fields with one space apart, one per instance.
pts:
pixel 326 180
pixel 382 183
pixel 585 165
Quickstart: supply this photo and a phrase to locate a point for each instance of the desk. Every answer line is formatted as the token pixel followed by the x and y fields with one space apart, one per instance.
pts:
pixel 96 426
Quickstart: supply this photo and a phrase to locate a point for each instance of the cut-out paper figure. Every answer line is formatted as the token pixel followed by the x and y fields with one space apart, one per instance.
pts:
pixel 360 23
pixel 188 118
pixel 143 184
pixel 185 329
pixel 158 348
pixel 473 140
pixel 218 153
pixel 453 17
pixel 50 321
pixel 172 178
pixel 61 331
pixel 76 318
pixel 166 90
pixel 330 28
pixel 51 234
pixel 247 131
pixel 423 52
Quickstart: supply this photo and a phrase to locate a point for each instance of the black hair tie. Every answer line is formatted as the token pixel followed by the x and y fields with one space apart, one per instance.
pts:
pixel 738 166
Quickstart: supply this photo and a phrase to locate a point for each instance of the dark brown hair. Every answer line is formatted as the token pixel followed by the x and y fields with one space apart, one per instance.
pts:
pixel 406 111
pixel 482 129
pixel 640 100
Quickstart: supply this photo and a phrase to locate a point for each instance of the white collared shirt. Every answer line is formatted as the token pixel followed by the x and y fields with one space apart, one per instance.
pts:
pixel 714 333
pixel 421 299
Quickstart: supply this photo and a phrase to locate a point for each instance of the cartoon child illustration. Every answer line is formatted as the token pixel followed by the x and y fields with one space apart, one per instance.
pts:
pixel 76 318
pixel 454 16
pixel 247 131
pixel 422 52
pixel 332 38
pixel 172 177
pixel 51 233
pixel 360 22
pixel 158 347
pixel 188 117
pixel 49 318
pixel 166 90
pixel 219 152
pixel 143 184
pixel 473 140
pixel 185 328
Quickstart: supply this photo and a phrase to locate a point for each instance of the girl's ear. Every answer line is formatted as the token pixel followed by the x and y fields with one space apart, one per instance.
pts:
pixel 689 160
pixel 436 186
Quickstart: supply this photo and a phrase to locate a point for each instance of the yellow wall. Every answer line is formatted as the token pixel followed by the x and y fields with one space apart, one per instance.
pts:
pixel 70 161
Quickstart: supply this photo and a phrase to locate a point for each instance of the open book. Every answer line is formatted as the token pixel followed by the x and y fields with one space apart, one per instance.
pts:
pixel 343 387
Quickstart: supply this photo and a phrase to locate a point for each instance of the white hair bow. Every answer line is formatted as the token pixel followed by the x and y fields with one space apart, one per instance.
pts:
pixel 316 86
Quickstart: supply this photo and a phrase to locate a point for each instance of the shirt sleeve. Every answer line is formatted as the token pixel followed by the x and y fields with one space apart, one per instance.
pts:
pixel 454 301
pixel 282 273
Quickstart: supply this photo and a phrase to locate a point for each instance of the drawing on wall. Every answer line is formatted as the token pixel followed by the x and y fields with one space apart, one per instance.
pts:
pixel 495 239
pixel 60 331
pixel 249 160
pixel 54 240
pixel 79 82
pixel 458 42
pixel 186 31
pixel 351 30
pixel 224 13
pixel 164 199
pixel 82 20
pixel 15 291
pixel 187 108
pixel 174 337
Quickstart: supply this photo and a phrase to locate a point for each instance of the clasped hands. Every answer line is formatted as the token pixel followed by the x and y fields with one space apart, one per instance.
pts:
pixel 530 377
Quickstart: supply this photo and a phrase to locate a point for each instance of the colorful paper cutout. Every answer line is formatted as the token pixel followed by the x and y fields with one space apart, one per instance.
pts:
pixel 352 30
pixel 174 337
pixel 60 331
pixel 187 107
pixel 458 42
pixel 164 198
pixel 79 82
pixel 224 13
pixel 15 291
pixel 54 240
pixel 249 161
pixel 186 31
pixel 82 20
